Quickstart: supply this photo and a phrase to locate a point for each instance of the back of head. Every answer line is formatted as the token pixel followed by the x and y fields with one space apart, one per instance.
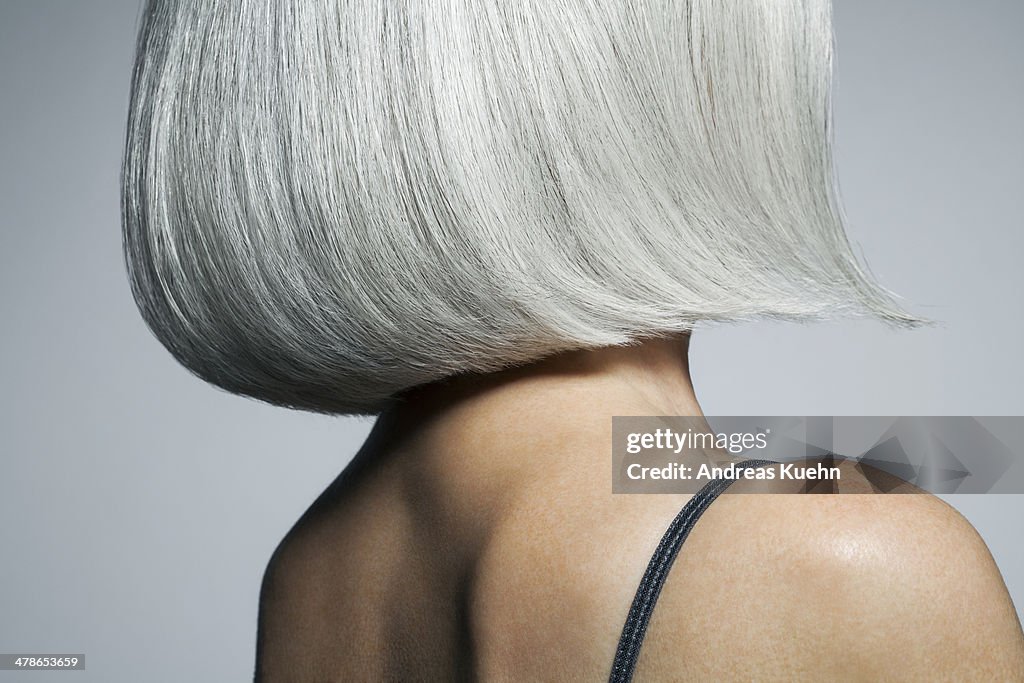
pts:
pixel 327 203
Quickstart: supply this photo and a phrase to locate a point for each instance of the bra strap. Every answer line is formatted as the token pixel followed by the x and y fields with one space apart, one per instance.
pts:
pixel 657 571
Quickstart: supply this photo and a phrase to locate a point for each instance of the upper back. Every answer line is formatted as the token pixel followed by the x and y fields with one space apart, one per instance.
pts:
pixel 388 578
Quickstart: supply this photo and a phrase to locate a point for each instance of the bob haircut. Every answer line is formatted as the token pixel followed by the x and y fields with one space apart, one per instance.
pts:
pixel 328 203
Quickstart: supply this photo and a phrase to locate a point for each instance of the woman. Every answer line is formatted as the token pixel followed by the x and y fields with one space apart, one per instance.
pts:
pixel 495 225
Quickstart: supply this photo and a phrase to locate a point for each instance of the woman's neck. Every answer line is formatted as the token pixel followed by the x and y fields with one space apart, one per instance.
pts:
pixel 532 407
pixel 465 449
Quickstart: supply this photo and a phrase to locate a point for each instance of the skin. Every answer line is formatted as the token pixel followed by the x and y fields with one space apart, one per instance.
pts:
pixel 475 537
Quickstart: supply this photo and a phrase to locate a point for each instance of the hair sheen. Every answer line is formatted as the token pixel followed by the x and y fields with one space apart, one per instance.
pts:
pixel 327 203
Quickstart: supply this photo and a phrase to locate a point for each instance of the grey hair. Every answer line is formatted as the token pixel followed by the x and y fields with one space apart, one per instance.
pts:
pixel 327 203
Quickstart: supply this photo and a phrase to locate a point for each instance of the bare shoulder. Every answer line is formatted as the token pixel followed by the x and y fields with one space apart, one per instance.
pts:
pixel 834 587
pixel 766 587
pixel 300 578
pixel 309 619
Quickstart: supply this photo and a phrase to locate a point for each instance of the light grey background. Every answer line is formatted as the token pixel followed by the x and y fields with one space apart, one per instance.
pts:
pixel 138 506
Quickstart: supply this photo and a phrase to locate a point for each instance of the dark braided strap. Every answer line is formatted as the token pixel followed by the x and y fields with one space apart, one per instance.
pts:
pixel 657 570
